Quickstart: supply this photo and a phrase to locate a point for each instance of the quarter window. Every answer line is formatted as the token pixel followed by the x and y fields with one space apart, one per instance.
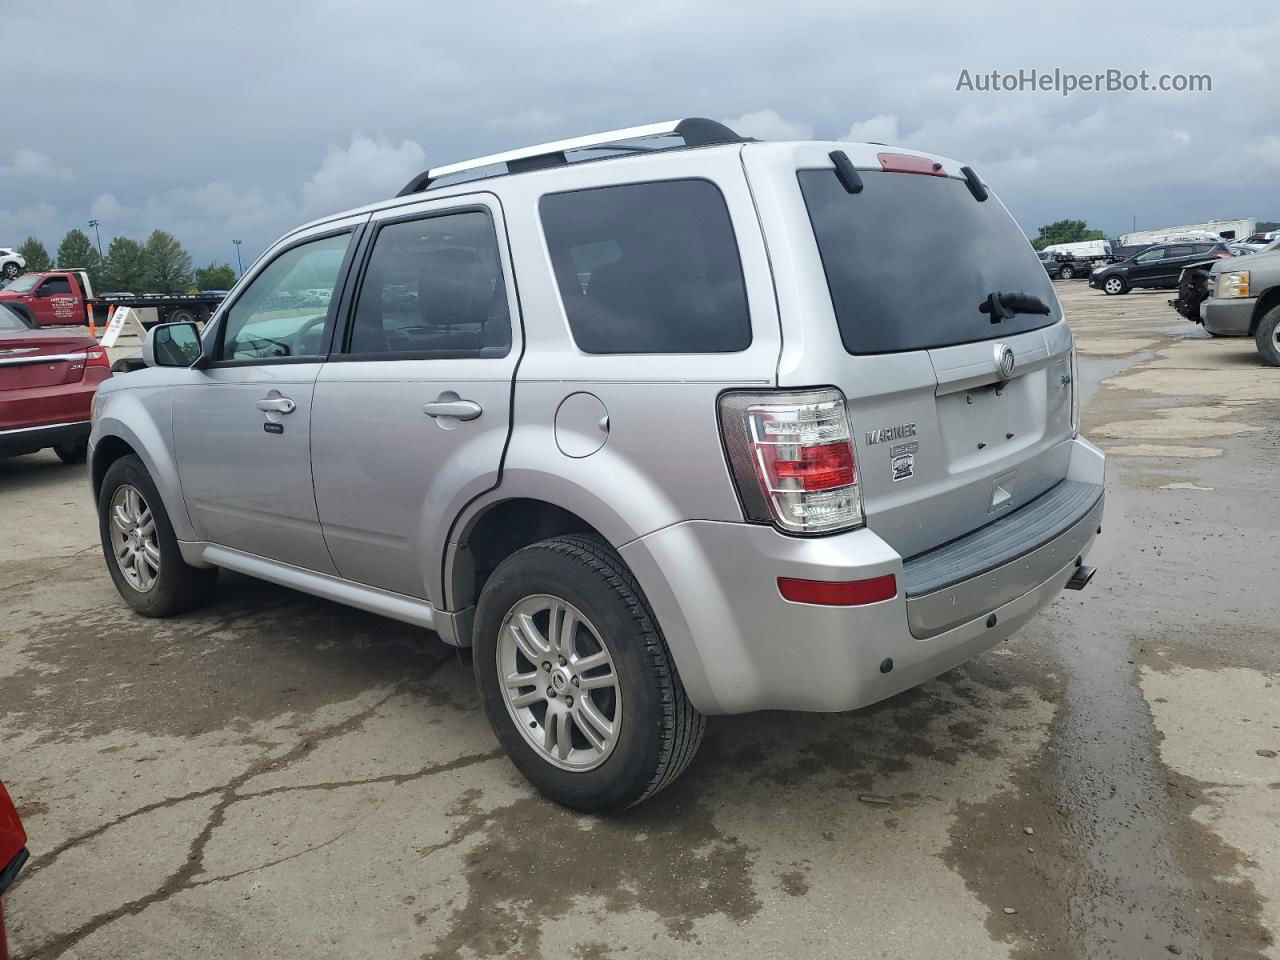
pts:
pixel 285 312
pixel 433 288
pixel 648 268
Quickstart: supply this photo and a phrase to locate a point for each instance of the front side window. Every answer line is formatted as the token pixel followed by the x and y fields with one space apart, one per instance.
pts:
pixel 55 286
pixel 1151 256
pixel 433 288
pixel 648 268
pixel 284 313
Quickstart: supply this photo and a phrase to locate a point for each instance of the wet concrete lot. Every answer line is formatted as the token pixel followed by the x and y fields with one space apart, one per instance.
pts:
pixel 277 776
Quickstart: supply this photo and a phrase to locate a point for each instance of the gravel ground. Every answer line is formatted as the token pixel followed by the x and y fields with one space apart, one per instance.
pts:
pixel 277 776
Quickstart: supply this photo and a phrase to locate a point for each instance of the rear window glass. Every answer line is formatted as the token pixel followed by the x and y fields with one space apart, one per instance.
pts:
pixel 648 268
pixel 910 259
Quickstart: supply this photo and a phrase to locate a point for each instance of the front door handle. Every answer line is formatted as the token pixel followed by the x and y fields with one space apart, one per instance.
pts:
pixel 277 405
pixel 452 407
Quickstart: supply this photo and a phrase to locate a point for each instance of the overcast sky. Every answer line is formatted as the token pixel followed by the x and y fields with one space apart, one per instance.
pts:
pixel 242 119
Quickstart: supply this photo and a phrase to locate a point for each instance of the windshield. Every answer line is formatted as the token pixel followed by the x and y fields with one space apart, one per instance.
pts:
pixel 24 283
pixel 10 321
pixel 910 259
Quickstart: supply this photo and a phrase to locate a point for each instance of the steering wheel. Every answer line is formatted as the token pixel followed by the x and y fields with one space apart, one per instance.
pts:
pixel 299 346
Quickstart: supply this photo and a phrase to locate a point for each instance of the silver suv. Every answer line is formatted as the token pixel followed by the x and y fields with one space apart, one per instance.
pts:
pixel 660 423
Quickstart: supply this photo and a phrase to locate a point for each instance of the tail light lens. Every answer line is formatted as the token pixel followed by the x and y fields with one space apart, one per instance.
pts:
pixel 792 459
pixel 97 357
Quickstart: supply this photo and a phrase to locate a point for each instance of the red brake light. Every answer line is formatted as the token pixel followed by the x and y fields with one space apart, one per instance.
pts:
pixel 849 593
pixel 906 163
pixel 97 357
pixel 793 460
pixel 819 467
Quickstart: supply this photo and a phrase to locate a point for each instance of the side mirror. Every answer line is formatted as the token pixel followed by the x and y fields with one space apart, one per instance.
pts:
pixel 171 345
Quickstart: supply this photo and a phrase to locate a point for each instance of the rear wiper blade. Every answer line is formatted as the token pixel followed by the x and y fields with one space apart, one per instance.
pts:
pixel 1003 306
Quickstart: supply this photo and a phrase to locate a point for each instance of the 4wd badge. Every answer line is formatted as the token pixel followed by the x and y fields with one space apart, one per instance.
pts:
pixel 902 460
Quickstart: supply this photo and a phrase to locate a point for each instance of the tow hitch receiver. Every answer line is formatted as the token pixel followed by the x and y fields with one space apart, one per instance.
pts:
pixel 1080 579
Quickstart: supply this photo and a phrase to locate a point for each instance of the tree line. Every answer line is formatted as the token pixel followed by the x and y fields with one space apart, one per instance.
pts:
pixel 158 265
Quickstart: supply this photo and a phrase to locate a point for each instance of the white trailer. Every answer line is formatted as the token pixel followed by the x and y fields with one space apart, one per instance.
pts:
pixel 1210 230
pixel 1081 249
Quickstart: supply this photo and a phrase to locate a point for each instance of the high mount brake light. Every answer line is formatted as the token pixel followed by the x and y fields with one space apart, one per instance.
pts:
pixel 906 163
pixel 793 460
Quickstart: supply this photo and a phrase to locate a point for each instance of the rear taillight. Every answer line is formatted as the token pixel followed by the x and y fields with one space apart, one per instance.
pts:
pixel 792 459
pixel 97 357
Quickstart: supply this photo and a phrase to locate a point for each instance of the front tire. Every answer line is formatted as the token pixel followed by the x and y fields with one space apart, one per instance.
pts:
pixel 1268 337
pixel 140 548
pixel 11 271
pixel 1066 273
pixel 576 678
pixel 1114 286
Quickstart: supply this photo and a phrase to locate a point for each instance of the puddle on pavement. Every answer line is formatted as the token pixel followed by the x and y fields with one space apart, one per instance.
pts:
pixel 1093 370
pixel 1128 896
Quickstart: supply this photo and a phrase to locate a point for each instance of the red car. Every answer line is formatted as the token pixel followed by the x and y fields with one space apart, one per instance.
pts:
pixel 47 382
pixel 13 854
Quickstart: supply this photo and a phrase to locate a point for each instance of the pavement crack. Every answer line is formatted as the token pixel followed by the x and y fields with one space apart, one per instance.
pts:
pixel 228 795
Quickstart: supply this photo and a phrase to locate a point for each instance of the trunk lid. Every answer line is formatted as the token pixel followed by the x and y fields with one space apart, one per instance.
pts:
pixel 946 440
pixel 35 358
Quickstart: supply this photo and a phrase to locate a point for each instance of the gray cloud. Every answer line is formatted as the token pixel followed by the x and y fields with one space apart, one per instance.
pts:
pixel 238 120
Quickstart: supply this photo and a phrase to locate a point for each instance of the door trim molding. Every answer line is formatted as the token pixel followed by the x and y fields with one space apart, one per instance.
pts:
pixel 396 606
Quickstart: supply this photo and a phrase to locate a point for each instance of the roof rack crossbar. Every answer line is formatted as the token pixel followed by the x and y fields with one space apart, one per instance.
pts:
pixel 696 132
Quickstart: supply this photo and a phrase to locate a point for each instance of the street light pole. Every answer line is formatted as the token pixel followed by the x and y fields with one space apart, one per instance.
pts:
pixel 98 236
pixel 239 263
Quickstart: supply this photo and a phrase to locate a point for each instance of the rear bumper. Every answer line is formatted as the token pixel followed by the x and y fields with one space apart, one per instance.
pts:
pixel 30 439
pixel 740 646
pixel 1228 318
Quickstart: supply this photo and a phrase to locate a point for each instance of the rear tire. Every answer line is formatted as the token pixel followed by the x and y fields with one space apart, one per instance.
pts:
pixel 140 548
pixel 1066 273
pixel 72 452
pixel 1114 286
pixel 181 315
pixel 1268 337
pixel 648 745
pixel 11 271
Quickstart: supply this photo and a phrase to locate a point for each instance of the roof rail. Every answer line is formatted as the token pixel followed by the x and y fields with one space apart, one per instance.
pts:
pixel 695 131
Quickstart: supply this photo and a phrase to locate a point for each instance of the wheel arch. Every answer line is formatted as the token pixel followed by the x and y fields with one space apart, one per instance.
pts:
pixel 1268 300
pixel 113 438
pixel 493 532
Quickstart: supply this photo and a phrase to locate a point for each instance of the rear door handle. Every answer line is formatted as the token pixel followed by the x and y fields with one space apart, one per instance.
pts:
pixel 455 408
pixel 277 405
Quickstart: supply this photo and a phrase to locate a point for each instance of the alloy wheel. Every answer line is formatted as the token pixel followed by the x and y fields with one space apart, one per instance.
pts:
pixel 133 538
pixel 559 682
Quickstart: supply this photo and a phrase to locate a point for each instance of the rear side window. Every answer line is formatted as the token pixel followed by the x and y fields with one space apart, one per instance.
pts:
pixel 648 268
pixel 910 258
pixel 433 289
